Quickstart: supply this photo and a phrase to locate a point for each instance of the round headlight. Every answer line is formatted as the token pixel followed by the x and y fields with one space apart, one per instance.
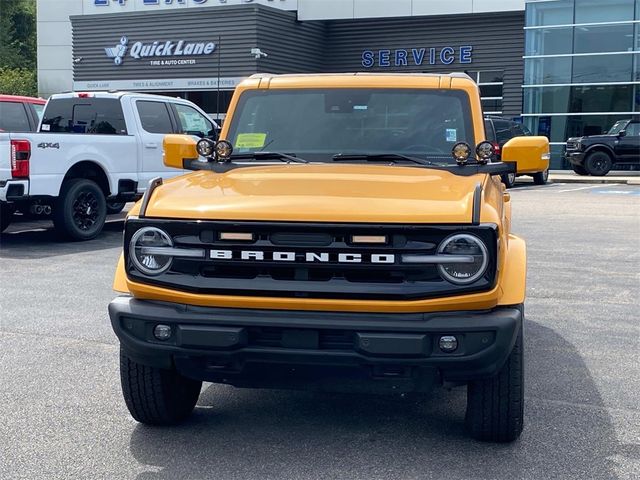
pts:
pixel 205 147
pixel 484 150
pixel 224 149
pixel 463 270
pixel 461 152
pixel 143 250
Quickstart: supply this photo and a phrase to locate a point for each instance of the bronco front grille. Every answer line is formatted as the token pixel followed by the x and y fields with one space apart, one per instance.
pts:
pixel 278 265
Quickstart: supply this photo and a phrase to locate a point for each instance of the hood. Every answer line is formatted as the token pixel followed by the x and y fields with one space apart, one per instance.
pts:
pixel 319 193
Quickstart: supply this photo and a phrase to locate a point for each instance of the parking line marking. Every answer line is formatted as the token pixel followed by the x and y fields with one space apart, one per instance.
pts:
pixel 580 188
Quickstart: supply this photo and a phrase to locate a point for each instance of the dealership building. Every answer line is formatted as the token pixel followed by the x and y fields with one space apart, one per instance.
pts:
pixel 565 67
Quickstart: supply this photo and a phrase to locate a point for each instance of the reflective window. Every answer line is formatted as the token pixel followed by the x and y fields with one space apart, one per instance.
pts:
pixel 154 117
pixel 490 76
pixel 84 115
pixel 600 98
pixel 539 71
pixel 549 41
pixel 559 128
pixel 491 105
pixel 591 11
pixel 13 117
pixel 604 38
pixel 633 129
pixel 549 13
pixel 603 68
pixel 39 109
pixel 192 121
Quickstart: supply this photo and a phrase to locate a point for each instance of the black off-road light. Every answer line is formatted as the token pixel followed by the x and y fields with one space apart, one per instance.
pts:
pixel 223 149
pixel 461 152
pixel 484 151
pixel 205 147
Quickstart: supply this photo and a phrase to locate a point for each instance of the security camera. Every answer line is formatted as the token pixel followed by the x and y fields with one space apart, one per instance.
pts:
pixel 257 53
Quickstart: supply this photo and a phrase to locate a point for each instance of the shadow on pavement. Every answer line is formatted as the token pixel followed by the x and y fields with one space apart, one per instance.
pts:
pixel 293 435
pixel 44 241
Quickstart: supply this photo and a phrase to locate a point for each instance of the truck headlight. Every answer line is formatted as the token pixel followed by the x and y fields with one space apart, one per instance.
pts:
pixel 466 272
pixel 143 250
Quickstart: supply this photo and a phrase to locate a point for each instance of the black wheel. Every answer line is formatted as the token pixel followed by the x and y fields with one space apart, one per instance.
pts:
pixel 540 178
pixel 495 406
pixel 115 207
pixel 598 163
pixel 6 215
pixel 155 396
pixel 81 209
pixel 579 169
pixel 509 179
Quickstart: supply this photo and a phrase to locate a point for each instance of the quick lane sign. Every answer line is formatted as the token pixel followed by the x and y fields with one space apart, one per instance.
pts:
pixel 159 48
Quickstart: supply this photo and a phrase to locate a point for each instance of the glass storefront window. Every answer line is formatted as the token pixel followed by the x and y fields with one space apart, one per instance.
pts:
pixel 577 99
pixel 549 41
pixel 604 38
pixel 593 11
pixel 559 128
pixel 549 13
pixel 538 71
pixel 603 68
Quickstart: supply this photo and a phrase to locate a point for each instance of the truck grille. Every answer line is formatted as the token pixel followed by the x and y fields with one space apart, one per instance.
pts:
pixel 284 269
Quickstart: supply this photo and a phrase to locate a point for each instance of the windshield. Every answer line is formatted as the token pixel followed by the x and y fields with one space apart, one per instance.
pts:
pixel 317 124
pixel 617 127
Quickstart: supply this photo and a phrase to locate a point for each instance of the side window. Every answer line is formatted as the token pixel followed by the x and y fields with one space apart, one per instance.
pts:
pixel 102 116
pixel 13 117
pixel 192 121
pixel 503 132
pixel 518 131
pixel 154 116
pixel 633 129
pixel 39 109
pixel 488 128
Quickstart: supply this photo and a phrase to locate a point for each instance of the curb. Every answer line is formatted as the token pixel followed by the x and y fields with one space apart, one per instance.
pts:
pixel 626 178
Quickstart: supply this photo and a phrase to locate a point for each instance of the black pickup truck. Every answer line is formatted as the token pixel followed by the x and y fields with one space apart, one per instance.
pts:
pixel 597 154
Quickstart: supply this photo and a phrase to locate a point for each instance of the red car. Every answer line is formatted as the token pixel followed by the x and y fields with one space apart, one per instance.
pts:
pixel 20 114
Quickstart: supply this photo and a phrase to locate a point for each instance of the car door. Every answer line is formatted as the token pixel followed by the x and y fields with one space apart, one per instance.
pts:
pixel 629 145
pixel 154 122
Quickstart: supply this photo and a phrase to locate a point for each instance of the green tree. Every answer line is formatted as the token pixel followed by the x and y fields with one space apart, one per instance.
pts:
pixel 18 47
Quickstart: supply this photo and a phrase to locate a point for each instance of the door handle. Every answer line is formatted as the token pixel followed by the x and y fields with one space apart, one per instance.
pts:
pixel 151 145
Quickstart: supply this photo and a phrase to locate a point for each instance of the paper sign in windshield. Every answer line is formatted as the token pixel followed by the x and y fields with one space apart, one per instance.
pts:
pixel 250 140
pixel 452 135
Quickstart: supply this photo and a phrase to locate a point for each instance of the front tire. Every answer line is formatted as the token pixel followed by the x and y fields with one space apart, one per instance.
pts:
pixel 509 179
pixel 6 215
pixel 540 178
pixel 579 169
pixel 155 396
pixel 495 406
pixel 598 163
pixel 80 210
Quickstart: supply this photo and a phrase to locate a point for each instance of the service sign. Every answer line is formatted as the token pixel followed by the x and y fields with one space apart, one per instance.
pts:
pixel 417 56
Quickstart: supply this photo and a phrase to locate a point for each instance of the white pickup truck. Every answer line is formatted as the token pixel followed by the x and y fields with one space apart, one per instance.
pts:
pixel 92 153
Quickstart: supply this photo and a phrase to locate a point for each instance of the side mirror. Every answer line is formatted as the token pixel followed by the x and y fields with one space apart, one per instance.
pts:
pixel 530 154
pixel 177 149
pixel 622 133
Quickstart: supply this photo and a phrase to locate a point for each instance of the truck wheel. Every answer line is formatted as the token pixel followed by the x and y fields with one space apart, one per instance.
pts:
pixel 579 169
pixel 81 209
pixel 155 396
pixel 598 163
pixel 540 178
pixel 495 406
pixel 508 179
pixel 6 215
pixel 115 207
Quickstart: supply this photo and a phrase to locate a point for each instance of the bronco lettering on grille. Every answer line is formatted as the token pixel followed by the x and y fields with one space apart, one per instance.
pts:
pixel 310 257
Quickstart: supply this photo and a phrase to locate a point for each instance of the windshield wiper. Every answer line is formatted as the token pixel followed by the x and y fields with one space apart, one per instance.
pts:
pixel 284 157
pixel 379 157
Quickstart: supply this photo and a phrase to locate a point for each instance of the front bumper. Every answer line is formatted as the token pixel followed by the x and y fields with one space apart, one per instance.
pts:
pixel 278 348
pixel 575 158
pixel 12 190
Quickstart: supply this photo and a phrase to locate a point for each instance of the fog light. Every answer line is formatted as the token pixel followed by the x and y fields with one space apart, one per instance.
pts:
pixel 162 332
pixel 448 343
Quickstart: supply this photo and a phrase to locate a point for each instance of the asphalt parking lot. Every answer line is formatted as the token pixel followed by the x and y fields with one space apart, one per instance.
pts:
pixel 62 414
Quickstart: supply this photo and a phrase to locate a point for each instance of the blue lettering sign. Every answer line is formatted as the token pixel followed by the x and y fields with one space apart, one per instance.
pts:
pixel 465 54
pixel 105 3
pixel 418 55
pixel 432 56
pixel 383 58
pixel 401 58
pixel 447 55
pixel 367 59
